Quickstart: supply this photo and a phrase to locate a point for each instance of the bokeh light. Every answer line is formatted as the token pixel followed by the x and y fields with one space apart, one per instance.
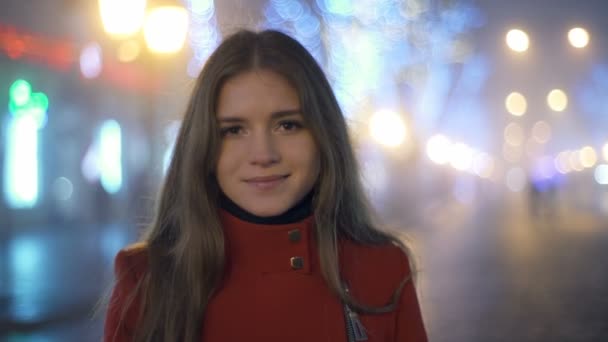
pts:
pixel 19 92
pixel 541 132
pixel 63 189
pixel 578 37
pixel 128 51
pixel 574 159
pixel 461 157
pixel 517 40
pixel 605 151
pixel 601 174
pixel 562 162
pixel 22 103
pixel 122 17
pixel 588 156
pixel 91 60
pixel 544 168
pixel 110 156
pixel 514 134
pixel 557 100
pixel 516 104
pixel 438 149
pixel 387 128
pixel 166 29
pixel 483 165
pixel 21 188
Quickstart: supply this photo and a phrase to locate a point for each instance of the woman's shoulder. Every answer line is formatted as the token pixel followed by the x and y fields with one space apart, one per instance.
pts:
pixel 389 254
pixel 132 259
pixel 374 271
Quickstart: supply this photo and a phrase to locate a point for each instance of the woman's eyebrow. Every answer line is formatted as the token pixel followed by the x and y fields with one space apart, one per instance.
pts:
pixel 275 115
pixel 283 113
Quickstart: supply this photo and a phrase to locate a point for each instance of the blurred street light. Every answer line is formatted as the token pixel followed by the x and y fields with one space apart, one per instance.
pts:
pixel 601 174
pixel 514 134
pixel 557 100
pixel 387 128
pixel 122 18
pixel 588 156
pixel 578 37
pixel 516 104
pixel 461 157
pixel 517 40
pixel 605 152
pixel 438 149
pixel 541 132
pixel 128 51
pixel 166 28
pixel 91 60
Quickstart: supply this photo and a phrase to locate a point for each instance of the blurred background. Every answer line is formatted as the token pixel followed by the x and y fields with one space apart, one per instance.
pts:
pixel 481 127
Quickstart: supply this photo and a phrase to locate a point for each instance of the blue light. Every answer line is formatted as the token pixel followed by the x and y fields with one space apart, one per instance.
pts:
pixel 110 156
pixel 26 256
pixel 308 26
pixel 601 174
pixel 290 10
pixel 203 34
pixel 339 7
pixel 21 160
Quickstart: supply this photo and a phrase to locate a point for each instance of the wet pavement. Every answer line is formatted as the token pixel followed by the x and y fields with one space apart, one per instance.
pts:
pixel 487 272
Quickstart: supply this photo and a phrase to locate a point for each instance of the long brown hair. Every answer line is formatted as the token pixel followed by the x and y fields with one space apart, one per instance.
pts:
pixel 185 244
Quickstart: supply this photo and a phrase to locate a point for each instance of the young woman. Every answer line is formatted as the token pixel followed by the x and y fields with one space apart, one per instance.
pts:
pixel 263 232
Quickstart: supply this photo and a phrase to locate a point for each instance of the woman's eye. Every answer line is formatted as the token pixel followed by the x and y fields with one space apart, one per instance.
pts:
pixel 232 130
pixel 290 125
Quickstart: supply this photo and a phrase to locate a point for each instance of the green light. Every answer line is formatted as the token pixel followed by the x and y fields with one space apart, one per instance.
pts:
pixel 39 101
pixel 22 102
pixel 20 92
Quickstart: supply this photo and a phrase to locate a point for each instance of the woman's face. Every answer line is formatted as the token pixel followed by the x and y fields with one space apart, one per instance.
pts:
pixel 268 158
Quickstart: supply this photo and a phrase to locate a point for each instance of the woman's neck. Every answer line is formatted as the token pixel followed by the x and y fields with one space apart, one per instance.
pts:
pixel 298 212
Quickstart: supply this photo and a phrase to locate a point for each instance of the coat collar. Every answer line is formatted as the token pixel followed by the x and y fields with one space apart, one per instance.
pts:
pixel 254 248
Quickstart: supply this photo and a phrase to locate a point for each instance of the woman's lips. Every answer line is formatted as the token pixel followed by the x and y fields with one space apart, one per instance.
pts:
pixel 267 182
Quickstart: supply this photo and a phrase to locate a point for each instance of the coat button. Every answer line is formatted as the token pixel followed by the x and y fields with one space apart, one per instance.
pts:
pixel 294 235
pixel 297 262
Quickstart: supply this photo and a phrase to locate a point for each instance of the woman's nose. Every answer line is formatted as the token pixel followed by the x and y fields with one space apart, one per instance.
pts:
pixel 263 151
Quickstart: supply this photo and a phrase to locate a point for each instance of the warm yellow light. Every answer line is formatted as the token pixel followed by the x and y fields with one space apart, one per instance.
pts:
pixel 578 37
pixel 557 100
pixel 516 104
pixel 387 128
pixel 461 157
pixel 514 134
pixel 122 17
pixel 605 151
pixel 517 40
pixel 588 156
pixel 128 51
pixel 541 132
pixel 166 28
pixel 438 149
pixel 574 160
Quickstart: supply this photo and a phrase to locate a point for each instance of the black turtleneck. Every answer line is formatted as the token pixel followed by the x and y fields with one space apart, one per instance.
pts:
pixel 298 212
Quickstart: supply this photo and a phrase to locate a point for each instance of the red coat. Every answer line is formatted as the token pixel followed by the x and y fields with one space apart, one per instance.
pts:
pixel 263 298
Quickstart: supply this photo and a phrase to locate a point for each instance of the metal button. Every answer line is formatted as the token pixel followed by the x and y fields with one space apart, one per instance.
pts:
pixel 294 235
pixel 297 262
